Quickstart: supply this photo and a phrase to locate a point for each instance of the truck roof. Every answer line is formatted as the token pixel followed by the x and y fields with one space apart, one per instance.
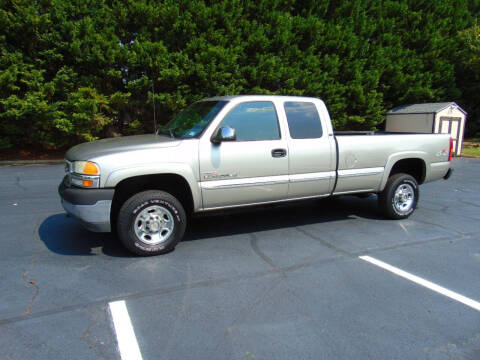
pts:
pixel 231 97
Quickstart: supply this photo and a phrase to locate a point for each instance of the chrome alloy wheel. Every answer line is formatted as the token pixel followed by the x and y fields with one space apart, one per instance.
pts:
pixel 154 224
pixel 404 198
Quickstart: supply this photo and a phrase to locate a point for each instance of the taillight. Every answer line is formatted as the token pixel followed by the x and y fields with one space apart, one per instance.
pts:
pixel 450 152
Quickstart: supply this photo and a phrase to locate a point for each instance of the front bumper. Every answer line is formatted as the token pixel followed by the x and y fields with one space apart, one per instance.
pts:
pixel 90 206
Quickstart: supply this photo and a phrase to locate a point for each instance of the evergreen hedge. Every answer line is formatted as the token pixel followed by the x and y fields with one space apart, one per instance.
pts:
pixel 73 71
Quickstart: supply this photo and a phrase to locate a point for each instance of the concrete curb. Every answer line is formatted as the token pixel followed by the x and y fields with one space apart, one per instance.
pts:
pixel 31 162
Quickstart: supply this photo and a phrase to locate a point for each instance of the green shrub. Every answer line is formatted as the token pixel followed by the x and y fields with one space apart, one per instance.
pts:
pixel 73 71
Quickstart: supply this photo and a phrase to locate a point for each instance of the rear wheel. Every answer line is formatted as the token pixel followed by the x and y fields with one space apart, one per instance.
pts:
pixel 151 223
pixel 400 197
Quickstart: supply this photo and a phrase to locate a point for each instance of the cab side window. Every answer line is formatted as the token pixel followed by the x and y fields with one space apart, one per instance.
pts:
pixel 256 120
pixel 303 120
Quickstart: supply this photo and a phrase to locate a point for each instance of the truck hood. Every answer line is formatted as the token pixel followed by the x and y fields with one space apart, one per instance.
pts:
pixel 89 150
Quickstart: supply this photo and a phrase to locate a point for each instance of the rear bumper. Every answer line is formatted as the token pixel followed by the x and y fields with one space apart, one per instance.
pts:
pixel 90 206
pixel 437 171
pixel 448 174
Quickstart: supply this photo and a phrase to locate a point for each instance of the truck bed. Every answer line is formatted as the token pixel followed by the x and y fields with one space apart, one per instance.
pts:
pixel 362 157
pixel 350 132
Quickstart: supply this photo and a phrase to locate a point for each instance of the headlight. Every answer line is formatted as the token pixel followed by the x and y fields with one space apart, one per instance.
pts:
pixel 86 168
pixel 85 174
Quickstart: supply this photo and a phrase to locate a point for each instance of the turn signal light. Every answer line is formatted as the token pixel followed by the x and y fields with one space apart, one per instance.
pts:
pixel 87 183
pixel 90 168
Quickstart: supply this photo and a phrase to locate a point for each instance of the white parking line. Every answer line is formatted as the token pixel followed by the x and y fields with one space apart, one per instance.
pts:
pixel 418 280
pixel 127 342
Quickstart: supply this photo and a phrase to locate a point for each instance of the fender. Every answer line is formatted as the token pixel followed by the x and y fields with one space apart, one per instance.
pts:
pixel 394 158
pixel 159 168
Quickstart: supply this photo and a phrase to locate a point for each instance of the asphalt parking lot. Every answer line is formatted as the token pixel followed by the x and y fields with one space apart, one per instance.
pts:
pixel 279 282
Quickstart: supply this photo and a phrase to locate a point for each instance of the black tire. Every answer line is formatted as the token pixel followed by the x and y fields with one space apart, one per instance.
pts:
pixel 161 208
pixel 400 197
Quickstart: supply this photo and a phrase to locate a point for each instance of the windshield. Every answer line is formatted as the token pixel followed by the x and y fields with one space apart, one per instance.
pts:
pixel 191 122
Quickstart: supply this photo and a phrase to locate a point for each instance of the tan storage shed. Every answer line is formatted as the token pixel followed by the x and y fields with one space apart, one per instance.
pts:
pixel 445 118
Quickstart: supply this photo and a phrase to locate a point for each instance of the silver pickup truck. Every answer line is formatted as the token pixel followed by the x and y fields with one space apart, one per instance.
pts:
pixel 234 151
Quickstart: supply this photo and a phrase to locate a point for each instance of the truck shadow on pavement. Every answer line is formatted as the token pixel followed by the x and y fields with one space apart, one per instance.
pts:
pixel 64 235
pixel 281 215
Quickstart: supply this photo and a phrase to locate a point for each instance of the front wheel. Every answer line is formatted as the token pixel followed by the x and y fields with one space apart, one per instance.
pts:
pixel 151 223
pixel 400 197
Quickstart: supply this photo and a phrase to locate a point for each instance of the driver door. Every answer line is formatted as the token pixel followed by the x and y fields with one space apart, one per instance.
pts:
pixel 253 168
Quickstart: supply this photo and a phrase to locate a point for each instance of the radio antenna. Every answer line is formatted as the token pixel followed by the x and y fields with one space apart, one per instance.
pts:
pixel 154 115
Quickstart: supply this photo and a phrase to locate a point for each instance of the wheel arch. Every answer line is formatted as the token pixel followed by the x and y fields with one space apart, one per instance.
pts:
pixel 412 164
pixel 174 184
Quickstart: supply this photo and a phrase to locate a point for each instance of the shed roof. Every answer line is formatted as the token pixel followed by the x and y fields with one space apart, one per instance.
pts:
pixel 427 108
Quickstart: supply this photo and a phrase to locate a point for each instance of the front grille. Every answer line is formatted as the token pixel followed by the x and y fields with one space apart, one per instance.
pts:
pixel 68 166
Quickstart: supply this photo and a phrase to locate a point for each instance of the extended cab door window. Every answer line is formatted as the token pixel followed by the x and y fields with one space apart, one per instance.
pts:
pixel 303 120
pixel 254 121
pixel 311 170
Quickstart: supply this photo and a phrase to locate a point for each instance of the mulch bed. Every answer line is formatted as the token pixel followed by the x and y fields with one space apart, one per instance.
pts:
pixel 22 154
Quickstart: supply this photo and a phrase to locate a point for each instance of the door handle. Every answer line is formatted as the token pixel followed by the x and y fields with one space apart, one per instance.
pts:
pixel 279 152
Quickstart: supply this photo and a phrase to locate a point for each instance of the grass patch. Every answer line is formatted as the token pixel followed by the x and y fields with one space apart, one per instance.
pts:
pixel 471 147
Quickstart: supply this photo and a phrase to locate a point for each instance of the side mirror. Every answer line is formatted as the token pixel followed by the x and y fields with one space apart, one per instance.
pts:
pixel 224 134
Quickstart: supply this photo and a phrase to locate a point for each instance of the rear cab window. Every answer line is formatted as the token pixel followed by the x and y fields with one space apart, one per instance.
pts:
pixel 303 120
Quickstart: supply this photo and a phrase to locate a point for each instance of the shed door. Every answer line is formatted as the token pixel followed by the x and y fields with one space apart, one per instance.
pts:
pixel 451 125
